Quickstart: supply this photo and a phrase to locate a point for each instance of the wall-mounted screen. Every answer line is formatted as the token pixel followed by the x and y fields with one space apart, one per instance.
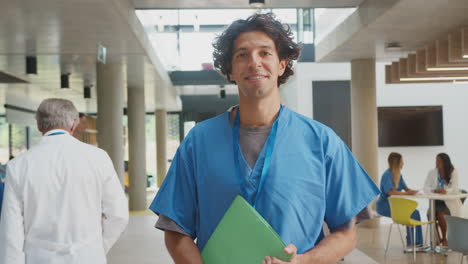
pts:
pixel 411 126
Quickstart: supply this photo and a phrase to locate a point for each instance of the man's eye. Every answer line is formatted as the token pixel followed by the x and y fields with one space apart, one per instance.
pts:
pixel 266 53
pixel 241 55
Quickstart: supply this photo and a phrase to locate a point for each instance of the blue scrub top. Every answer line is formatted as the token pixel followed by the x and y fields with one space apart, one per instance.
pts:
pixel 3 171
pixel 1 196
pixel 386 184
pixel 313 177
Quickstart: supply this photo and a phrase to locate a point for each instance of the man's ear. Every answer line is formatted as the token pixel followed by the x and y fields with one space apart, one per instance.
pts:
pixel 37 124
pixel 282 66
pixel 75 124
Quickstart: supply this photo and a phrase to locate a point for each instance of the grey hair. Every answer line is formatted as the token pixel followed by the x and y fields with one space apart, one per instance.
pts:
pixel 55 113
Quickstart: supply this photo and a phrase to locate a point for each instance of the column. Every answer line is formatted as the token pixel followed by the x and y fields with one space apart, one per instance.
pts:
pixel 161 143
pixel 136 137
pixel 110 98
pixel 364 131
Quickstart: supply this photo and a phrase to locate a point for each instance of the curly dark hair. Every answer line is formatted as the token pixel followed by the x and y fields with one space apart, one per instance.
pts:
pixel 266 23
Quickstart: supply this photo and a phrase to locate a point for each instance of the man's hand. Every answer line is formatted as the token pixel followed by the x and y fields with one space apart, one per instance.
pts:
pixel 289 249
pixel 330 250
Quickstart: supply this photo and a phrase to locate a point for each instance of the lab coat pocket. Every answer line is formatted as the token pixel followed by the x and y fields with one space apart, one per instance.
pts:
pixel 39 252
pixel 42 251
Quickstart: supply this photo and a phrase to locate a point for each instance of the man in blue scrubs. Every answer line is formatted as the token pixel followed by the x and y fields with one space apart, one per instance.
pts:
pixel 296 172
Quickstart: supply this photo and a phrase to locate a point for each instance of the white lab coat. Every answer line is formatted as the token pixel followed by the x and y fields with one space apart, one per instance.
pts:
pixel 452 188
pixel 63 204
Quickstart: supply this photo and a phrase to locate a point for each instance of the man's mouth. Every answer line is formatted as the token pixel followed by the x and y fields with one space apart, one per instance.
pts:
pixel 255 77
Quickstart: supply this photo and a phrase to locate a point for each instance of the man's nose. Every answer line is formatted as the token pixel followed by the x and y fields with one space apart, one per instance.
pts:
pixel 254 61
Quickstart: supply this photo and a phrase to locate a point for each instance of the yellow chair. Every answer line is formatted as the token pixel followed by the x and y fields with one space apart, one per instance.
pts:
pixel 401 210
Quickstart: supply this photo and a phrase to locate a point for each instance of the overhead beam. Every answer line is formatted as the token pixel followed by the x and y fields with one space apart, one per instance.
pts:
pixel 404 71
pixel 431 55
pixel 455 46
pixel 209 77
pixel 403 68
pixel 465 42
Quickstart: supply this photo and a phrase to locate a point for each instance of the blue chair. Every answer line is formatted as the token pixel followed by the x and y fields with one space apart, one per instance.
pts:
pixel 457 234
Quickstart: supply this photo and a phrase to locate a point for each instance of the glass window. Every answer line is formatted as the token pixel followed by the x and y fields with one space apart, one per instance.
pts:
pixel 173 138
pixel 183 38
pixel 196 48
pixel 150 145
pixel 34 136
pixel 18 139
pixel 4 150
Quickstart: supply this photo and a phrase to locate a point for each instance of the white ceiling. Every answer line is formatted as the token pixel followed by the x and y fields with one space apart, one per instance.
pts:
pixel 64 35
pixel 214 4
pixel 412 23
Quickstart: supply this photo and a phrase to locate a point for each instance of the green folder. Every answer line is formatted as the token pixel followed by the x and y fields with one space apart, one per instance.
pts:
pixel 243 236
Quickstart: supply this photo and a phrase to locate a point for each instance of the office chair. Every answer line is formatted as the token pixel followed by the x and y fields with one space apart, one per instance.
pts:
pixel 457 234
pixel 401 210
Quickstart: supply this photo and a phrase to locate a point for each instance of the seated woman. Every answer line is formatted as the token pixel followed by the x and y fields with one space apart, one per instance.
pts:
pixel 392 183
pixel 443 179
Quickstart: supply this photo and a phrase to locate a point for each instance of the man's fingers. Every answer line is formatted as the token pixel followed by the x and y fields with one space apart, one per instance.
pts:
pixel 277 261
pixel 290 249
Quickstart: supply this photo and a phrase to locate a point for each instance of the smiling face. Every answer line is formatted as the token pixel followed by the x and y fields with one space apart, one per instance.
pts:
pixel 255 65
pixel 439 163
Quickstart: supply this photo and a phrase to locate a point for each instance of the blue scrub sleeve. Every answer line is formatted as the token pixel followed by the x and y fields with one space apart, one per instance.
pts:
pixel 177 197
pixel 348 187
pixel 387 182
pixel 402 184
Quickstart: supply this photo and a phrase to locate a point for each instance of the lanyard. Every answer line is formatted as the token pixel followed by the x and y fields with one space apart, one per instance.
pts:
pixel 266 163
pixel 440 181
pixel 56 133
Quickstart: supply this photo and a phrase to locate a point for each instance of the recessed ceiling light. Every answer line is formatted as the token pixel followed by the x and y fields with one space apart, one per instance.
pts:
pixel 392 46
pixel 257 3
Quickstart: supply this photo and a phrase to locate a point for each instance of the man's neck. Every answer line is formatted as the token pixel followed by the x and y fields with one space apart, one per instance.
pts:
pixel 56 130
pixel 259 112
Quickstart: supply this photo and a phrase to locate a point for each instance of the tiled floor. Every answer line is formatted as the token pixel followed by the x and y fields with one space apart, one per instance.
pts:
pixel 143 244
pixel 372 242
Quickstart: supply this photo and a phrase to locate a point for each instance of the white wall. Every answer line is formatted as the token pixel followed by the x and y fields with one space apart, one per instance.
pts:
pixel 297 94
pixel 454 101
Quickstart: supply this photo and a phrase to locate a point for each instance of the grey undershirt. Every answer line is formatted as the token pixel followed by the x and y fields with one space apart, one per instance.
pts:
pixel 251 141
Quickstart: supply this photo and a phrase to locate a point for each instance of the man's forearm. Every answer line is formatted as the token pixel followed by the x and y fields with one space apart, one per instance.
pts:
pixel 332 248
pixel 182 248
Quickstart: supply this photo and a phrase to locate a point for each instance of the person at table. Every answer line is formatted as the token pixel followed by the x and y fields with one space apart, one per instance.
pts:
pixel 392 183
pixel 443 179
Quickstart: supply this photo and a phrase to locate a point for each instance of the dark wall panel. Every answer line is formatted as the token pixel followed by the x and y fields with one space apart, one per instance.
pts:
pixel 332 106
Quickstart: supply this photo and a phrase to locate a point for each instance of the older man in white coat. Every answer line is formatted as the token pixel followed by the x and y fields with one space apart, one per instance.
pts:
pixel 63 202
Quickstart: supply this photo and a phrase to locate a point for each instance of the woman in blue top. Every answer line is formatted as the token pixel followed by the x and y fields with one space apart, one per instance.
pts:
pixel 392 183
